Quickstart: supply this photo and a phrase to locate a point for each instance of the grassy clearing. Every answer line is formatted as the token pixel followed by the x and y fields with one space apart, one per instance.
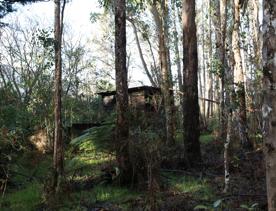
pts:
pixel 28 172
pixel 198 188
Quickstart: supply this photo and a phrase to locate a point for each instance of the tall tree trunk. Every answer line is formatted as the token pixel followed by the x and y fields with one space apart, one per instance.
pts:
pixel 256 32
pixel 211 83
pixel 204 71
pixel 269 105
pixel 164 57
pixel 58 141
pixel 229 101
pixel 220 23
pixel 190 84
pixel 239 80
pixel 176 48
pixel 166 85
pixel 122 125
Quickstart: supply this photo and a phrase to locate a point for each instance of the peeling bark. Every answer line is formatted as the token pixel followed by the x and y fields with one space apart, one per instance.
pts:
pixel 269 104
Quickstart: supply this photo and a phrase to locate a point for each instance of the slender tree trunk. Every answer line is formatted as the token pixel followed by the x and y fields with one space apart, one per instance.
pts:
pixel 166 85
pixel 220 23
pixel 229 101
pixel 239 80
pixel 226 151
pixel 190 84
pixel 210 111
pixel 176 49
pixel 177 59
pixel 202 101
pixel 210 96
pixel 58 141
pixel 256 32
pixel 269 105
pixel 204 71
pixel 150 77
pixel 155 69
pixel 122 126
pixel 164 57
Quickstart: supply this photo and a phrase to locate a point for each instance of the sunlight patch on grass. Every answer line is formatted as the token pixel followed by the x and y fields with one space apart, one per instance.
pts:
pixel 113 194
pixel 101 194
pixel 87 161
pixel 197 187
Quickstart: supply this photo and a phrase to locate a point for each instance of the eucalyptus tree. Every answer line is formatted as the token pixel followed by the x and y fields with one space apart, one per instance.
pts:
pixel 239 79
pixel 122 125
pixel 220 22
pixel 269 105
pixel 159 10
pixel 190 84
pixel 58 155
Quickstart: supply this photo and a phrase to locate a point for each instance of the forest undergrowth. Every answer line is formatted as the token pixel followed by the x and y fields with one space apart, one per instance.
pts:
pixel 89 183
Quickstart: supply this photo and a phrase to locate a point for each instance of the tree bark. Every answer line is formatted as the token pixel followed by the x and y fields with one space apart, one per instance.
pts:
pixel 269 105
pixel 239 80
pixel 210 109
pixel 176 48
pixel 122 124
pixel 220 22
pixel 58 141
pixel 164 58
pixel 190 84
pixel 204 70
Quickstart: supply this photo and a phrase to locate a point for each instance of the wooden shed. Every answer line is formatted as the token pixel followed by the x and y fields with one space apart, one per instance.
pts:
pixel 144 98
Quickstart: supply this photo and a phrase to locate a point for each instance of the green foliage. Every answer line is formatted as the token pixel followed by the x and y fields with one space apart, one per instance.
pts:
pixel 77 110
pixel 213 124
pixel 217 67
pixel 94 16
pixel 100 137
pixel 12 115
pixel 103 85
pixel 25 199
pixel 87 162
pixel 44 38
pixel 206 138
pixel 253 207
pixel 113 194
pixel 133 7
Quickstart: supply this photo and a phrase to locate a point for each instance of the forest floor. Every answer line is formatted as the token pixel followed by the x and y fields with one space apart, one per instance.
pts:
pixel 185 189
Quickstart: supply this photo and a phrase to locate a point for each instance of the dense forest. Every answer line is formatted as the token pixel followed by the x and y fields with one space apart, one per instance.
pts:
pixel 168 105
